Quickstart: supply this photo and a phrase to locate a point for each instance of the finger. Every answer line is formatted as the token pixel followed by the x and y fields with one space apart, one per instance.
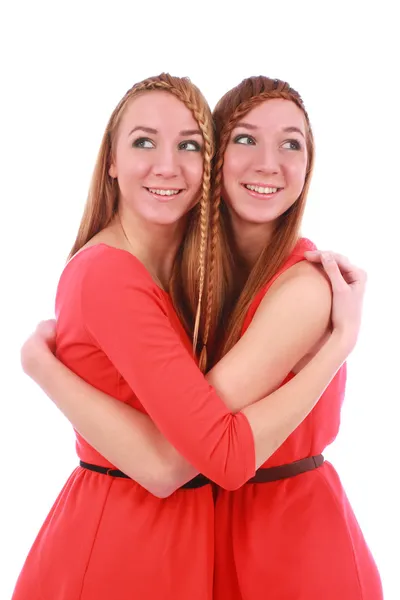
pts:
pixel 342 261
pixel 46 326
pixel 313 255
pixel 351 273
pixel 51 322
pixel 316 255
pixel 46 330
pixel 313 259
pixel 358 278
pixel 331 268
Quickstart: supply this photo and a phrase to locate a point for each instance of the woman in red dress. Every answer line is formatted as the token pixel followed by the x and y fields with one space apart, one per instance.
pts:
pixel 293 535
pixel 107 537
pixel 108 534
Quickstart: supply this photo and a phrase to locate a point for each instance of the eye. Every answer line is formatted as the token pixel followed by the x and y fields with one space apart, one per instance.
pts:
pixel 292 145
pixel 143 143
pixel 245 139
pixel 190 146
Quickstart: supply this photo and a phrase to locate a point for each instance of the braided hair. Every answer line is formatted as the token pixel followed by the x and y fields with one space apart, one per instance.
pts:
pixel 189 272
pixel 230 110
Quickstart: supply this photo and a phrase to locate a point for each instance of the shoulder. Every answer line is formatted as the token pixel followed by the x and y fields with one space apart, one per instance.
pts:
pixel 295 276
pixel 303 279
pixel 309 276
pixel 104 275
pixel 302 245
pixel 103 264
pixel 302 292
pixel 114 287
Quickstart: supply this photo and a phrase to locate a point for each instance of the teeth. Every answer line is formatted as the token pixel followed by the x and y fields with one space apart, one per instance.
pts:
pixel 261 190
pixel 164 192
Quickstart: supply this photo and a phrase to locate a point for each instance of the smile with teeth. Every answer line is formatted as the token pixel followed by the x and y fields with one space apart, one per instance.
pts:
pixel 159 192
pixel 261 190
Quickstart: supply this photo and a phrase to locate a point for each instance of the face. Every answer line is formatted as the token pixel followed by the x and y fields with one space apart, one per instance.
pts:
pixel 265 162
pixel 158 158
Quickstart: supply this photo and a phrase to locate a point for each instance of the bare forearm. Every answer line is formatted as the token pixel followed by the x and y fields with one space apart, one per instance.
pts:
pixel 131 441
pixel 276 416
pixel 123 435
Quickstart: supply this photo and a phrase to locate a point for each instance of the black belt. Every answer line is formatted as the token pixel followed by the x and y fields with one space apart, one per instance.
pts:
pixel 196 482
pixel 262 475
pixel 285 471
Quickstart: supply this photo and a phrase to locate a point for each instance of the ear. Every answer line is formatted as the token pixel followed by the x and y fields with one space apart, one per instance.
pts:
pixel 112 171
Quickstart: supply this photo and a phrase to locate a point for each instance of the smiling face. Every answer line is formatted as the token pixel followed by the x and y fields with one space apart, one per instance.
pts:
pixel 265 162
pixel 158 158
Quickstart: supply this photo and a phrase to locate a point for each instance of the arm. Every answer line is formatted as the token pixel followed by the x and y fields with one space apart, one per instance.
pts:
pixel 322 368
pixel 126 437
pixel 289 321
pixel 141 342
pixel 348 293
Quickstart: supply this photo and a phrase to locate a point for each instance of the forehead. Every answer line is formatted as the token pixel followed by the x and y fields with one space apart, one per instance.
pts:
pixel 276 114
pixel 158 110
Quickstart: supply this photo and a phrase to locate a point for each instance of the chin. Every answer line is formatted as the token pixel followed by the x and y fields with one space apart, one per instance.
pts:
pixel 258 218
pixel 169 219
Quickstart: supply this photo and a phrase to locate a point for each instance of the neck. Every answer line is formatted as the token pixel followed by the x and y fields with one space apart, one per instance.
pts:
pixel 154 245
pixel 250 239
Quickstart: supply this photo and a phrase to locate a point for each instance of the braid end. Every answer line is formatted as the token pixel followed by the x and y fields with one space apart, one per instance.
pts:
pixel 203 359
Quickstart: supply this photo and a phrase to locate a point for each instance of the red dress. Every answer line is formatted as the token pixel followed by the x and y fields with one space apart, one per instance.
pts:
pixel 107 538
pixel 297 538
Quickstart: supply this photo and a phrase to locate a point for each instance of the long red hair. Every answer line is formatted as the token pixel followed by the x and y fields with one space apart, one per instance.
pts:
pixel 231 109
pixel 188 280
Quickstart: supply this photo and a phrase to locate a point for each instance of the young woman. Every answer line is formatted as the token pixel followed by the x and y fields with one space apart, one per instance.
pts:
pixel 107 537
pixel 293 535
pixel 117 328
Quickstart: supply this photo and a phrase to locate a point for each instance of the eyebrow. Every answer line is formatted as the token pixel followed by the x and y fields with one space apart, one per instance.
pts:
pixel 190 132
pixel 254 127
pixel 246 126
pixel 293 130
pixel 143 128
pixel 154 131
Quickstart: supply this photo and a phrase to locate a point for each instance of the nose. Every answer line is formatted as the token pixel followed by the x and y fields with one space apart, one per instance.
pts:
pixel 267 160
pixel 167 164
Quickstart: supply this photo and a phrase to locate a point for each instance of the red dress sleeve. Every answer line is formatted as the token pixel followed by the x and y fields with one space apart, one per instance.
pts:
pixel 124 313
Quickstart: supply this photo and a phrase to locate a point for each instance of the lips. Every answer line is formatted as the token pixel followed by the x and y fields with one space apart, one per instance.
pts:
pixel 261 189
pixel 164 191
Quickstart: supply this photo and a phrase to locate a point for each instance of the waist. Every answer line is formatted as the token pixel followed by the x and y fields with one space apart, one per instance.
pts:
pixel 266 475
pixel 269 474
pixel 196 482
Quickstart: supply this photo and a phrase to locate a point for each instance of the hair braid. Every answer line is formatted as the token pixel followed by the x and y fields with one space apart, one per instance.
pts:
pixel 186 95
pixel 214 244
pixel 188 281
pixel 205 127
pixel 204 229
pixel 229 111
pixel 204 123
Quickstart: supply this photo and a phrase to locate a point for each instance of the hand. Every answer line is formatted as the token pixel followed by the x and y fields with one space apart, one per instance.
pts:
pixel 348 286
pixel 38 345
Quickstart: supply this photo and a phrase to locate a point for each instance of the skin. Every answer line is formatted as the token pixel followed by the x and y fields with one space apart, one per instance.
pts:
pixel 294 316
pixel 158 147
pixel 267 148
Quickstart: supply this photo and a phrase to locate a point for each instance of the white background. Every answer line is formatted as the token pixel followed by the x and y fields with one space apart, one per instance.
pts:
pixel 63 69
